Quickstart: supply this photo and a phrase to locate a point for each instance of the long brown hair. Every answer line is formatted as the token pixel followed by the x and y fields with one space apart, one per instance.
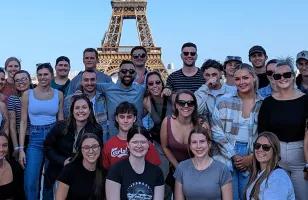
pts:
pixel 194 115
pixel 271 166
pixel 72 121
pixel 98 186
pixel 200 130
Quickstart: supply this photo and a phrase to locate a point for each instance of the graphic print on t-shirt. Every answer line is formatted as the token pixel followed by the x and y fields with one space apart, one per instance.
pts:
pixel 139 191
pixel 118 152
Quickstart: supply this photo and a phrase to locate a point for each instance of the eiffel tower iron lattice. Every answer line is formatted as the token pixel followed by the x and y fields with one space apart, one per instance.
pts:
pixel 111 53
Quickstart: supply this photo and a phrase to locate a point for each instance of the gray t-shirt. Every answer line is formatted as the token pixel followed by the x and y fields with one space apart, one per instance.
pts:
pixel 202 184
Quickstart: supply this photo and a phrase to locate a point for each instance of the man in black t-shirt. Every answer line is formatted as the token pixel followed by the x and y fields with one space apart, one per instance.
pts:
pixel 258 57
pixel 189 76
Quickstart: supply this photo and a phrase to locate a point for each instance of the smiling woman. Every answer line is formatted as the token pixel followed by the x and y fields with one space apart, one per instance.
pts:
pixel 42 99
pixel 285 113
pixel 86 163
pixel 201 171
pixel 268 180
pixel 234 126
pixel 135 178
pixel 11 66
pixel 62 141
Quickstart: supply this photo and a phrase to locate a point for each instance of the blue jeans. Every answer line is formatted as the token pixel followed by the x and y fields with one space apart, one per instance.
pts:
pixel 239 179
pixel 35 160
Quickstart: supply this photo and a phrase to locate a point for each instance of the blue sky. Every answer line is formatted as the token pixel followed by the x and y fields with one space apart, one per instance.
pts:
pixel 40 30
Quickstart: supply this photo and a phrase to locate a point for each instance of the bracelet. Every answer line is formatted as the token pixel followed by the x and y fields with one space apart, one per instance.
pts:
pixel 306 165
pixel 18 147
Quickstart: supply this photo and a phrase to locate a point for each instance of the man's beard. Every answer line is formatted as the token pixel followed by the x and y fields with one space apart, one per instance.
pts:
pixel 190 65
pixel 127 83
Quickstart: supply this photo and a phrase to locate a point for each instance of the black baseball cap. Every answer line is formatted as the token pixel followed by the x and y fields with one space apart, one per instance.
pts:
pixel 256 49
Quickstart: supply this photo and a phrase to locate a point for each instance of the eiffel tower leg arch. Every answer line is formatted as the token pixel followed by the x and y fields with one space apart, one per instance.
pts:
pixel 111 53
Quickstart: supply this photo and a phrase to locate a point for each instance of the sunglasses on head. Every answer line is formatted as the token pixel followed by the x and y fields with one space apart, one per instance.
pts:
pixel 158 82
pixel 269 73
pixel 130 71
pixel 265 147
pixel 186 53
pixel 135 56
pixel 284 75
pixel 182 103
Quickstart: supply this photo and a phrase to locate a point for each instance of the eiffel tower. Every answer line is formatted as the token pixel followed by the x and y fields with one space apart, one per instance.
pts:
pixel 111 54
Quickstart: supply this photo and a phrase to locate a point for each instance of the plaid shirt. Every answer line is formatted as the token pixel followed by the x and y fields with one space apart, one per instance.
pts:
pixel 225 125
pixel 207 98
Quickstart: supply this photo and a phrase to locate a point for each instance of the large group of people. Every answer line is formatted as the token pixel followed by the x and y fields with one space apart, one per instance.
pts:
pixel 227 130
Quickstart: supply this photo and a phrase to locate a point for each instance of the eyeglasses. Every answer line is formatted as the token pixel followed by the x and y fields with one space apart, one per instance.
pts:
pixel 265 147
pixel 182 103
pixel 143 55
pixel 284 75
pixel 130 71
pixel 87 148
pixel 186 53
pixel 141 142
pixel 22 80
pixel 158 82
pixel 269 73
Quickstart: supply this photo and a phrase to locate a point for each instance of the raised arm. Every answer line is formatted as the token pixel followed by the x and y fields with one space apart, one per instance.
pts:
pixel 201 96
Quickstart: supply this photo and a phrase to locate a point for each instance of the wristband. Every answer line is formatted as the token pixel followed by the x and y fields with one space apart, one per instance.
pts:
pixel 18 147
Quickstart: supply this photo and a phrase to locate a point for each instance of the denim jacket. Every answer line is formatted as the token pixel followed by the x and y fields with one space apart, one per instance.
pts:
pixel 225 126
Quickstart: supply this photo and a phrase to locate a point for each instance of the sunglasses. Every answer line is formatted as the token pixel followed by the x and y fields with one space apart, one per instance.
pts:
pixel 130 71
pixel 269 73
pixel 186 53
pixel 143 55
pixel 182 103
pixel 265 147
pixel 284 75
pixel 158 82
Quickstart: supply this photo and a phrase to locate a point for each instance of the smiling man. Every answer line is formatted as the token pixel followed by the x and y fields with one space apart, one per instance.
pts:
pixel 189 76
pixel 124 90
pixel 302 66
pixel 90 60
pixel 258 57
pixel 88 87
pixel 213 88
pixel 61 81
pixel 139 57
